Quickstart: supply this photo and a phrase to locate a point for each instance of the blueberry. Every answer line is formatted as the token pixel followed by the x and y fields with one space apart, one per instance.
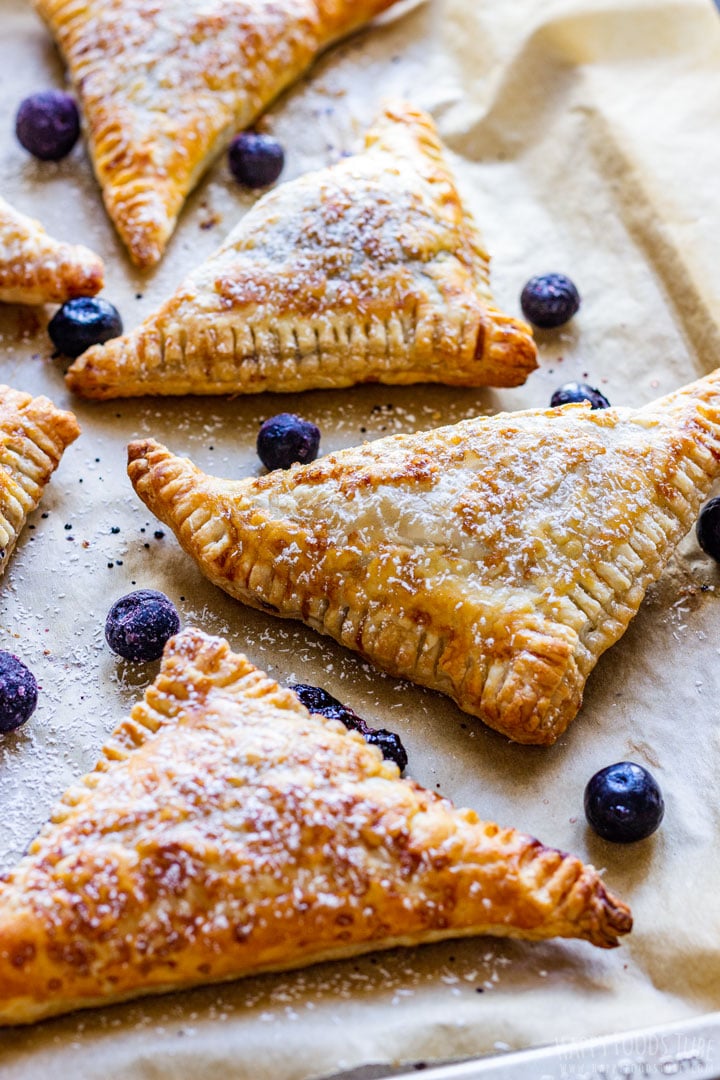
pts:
pixel 47 124
pixel 18 693
pixel 707 529
pixel 285 439
pixel 255 160
pixel 623 803
pixel 139 625
pixel 317 700
pixel 549 300
pixel 573 392
pixel 82 322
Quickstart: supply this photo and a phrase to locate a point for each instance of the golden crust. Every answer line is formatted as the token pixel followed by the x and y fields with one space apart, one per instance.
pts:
pixel 33 437
pixel 369 271
pixel 165 86
pixel 225 831
pixel 36 269
pixel 494 561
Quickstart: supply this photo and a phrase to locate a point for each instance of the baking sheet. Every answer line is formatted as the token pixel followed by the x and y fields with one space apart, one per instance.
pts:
pixel 584 134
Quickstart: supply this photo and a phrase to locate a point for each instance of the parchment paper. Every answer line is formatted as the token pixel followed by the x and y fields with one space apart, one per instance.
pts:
pixel 585 137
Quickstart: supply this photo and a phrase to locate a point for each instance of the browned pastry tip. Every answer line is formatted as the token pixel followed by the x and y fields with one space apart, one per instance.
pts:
pixel 614 919
pixel 37 269
pixel 152 468
pixel 140 449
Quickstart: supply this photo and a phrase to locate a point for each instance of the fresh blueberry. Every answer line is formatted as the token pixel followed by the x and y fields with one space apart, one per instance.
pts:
pixel 47 124
pixel 18 693
pixel 285 439
pixel 255 160
pixel 573 392
pixel 707 529
pixel 317 700
pixel 549 300
pixel 623 803
pixel 139 625
pixel 82 322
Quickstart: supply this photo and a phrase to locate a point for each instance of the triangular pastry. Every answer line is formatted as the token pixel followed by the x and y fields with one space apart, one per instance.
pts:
pixel 36 269
pixel 164 87
pixel 369 271
pixel 34 434
pixel 226 831
pixel 494 560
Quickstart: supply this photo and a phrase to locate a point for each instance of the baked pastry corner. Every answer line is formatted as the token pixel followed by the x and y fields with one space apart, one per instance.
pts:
pixel 37 269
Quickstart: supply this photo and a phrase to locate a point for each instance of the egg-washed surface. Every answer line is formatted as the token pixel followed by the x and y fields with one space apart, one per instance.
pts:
pixel 642 251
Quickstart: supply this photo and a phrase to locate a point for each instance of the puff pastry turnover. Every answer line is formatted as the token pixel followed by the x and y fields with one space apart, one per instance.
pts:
pixel 494 561
pixel 36 269
pixel 368 271
pixel 33 437
pixel 164 87
pixel 226 831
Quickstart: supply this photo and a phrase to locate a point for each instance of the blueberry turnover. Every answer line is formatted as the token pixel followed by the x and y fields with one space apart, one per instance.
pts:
pixel 369 271
pixel 225 831
pixel 495 560
pixel 34 435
